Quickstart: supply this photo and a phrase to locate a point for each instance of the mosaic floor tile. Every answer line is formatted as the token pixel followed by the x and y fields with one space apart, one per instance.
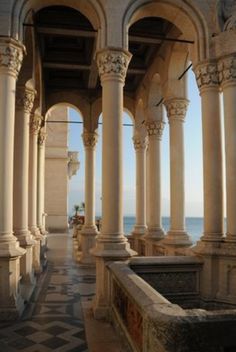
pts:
pixel 56 320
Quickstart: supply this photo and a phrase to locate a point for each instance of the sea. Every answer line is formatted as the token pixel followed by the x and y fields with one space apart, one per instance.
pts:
pixel 194 226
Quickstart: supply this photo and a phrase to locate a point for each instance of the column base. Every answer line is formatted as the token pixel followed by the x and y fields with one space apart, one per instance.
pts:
pixel 212 237
pixel 11 302
pixel 136 237
pixel 36 257
pixel 177 239
pixel 154 233
pixel 87 242
pixel 230 238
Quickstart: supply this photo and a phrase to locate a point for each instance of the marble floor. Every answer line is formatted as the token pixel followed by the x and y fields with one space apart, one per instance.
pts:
pixel 59 317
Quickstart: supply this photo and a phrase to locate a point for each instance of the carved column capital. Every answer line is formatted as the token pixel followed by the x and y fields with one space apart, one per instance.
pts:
pixel 227 70
pixel 140 144
pixel 155 128
pixel 35 123
pixel 25 99
pixel 90 139
pixel 207 75
pixel 113 62
pixel 176 109
pixel 11 56
pixel 41 137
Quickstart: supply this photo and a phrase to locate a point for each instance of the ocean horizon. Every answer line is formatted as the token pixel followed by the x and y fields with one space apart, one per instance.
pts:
pixel 194 226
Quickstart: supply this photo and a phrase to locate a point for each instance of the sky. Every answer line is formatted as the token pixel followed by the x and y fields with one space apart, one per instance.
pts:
pixel 193 161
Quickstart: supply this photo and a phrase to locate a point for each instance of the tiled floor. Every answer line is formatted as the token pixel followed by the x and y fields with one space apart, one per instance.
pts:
pixel 54 319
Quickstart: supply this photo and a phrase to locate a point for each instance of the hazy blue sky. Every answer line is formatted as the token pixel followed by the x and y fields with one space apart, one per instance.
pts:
pixel 193 161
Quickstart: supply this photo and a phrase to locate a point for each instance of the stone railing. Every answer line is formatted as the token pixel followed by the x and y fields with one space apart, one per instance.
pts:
pixel 148 321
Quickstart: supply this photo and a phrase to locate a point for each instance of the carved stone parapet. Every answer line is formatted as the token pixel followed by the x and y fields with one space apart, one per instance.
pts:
pixel 25 99
pixel 11 56
pixel 35 123
pixel 227 70
pixel 155 128
pixel 207 75
pixel 41 136
pixel 176 108
pixel 90 139
pixel 113 62
pixel 140 144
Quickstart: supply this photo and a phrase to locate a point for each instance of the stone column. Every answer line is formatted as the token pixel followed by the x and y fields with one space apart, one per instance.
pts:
pixel 176 111
pixel 111 243
pixel 40 179
pixel 35 122
pixel 227 75
pixel 89 230
pixel 154 230
pixel 140 227
pixel 207 80
pixel 24 104
pixel 11 55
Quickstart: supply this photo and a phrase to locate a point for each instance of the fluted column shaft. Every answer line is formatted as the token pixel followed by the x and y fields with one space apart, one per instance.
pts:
pixel 227 76
pixel 11 56
pixel 90 140
pixel 207 79
pixel 140 146
pixel 40 179
pixel 35 122
pixel 89 230
pixel 24 104
pixel 155 129
pixel 111 243
pixel 176 111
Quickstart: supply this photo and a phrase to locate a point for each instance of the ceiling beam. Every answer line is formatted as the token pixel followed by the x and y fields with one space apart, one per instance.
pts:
pixel 143 40
pixel 66 32
pixel 137 71
pixel 63 66
pixel 156 40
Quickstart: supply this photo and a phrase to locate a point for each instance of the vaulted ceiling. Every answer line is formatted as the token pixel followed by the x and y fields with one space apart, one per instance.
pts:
pixel 67 43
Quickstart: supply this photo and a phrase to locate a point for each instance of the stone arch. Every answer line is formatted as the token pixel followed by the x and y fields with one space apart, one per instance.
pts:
pixel 91 9
pixel 155 98
pixel 184 16
pixel 139 127
pixel 176 63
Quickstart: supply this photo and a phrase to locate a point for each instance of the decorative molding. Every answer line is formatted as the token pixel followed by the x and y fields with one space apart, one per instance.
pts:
pixel 11 56
pixel 41 136
pixel 155 128
pixel 90 139
pixel 35 123
pixel 207 75
pixel 176 108
pixel 25 99
pixel 227 69
pixel 140 144
pixel 113 62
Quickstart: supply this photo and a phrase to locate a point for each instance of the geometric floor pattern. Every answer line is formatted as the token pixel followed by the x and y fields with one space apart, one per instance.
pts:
pixel 54 319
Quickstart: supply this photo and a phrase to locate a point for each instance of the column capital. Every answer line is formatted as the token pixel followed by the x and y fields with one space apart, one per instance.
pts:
pixel 41 137
pixel 25 98
pixel 35 123
pixel 155 128
pixel 227 70
pixel 90 139
pixel 113 63
pixel 140 144
pixel 176 109
pixel 11 56
pixel 207 75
